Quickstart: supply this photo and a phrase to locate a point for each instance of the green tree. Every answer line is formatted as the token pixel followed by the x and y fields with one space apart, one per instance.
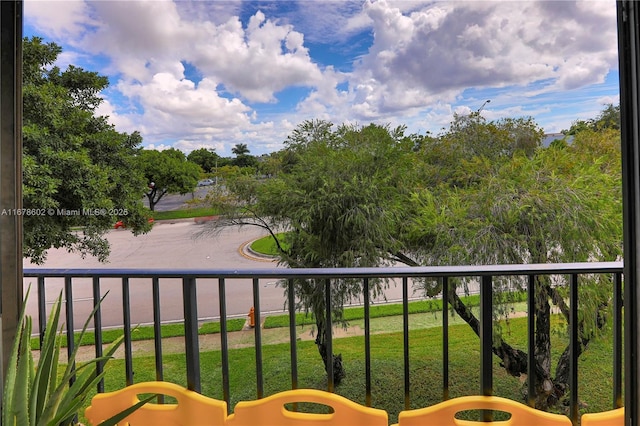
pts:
pixel 339 201
pixel 562 204
pixel 78 171
pixel 271 164
pixel 167 171
pixel 481 193
pixel 207 159
pixel 609 118
pixel 243 158
pixel 448 157
pixel 240 149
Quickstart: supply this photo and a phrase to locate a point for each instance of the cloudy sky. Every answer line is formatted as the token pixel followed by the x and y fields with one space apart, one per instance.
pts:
pixel 213 73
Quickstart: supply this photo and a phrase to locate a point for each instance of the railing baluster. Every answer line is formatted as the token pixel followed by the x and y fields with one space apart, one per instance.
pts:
pixel 445 338
pixel 68 295
pixel 405 343
pixel 42 308
pixel 224 344
pixel 126 319
pixel 258 338
pixel 367 342
pixel 486 341
pixel 531 341
pixel 157 332
pixel 293 338
pixel 574 343
pixel 328 334
pixel 97 330
pixel 617 341
pixel 191 343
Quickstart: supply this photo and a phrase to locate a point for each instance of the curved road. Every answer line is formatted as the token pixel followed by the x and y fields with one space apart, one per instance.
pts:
pixel 171 244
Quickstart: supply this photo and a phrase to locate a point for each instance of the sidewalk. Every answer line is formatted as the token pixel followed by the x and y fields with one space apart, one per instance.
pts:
pixel 272 336
pixel 211 342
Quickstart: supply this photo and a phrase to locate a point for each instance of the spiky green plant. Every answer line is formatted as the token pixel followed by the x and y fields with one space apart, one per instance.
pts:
pixel 39 395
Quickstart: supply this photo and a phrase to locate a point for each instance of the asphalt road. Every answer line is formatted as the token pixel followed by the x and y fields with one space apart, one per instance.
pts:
pixel 168 245
pixel 177 201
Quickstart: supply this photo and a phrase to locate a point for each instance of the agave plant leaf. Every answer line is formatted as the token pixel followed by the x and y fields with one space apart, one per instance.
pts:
pixel 74 398
pixel 39 395
pixel 113 421
pixel 46 373
pixel 22 387
pixel 63 398
pixel 18 351
pixel 67 398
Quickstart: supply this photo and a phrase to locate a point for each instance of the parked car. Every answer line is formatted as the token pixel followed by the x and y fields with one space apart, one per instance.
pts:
pixel 205 182
pixel 120 224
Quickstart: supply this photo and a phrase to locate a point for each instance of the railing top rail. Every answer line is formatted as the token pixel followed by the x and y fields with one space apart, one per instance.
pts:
pixel 378 272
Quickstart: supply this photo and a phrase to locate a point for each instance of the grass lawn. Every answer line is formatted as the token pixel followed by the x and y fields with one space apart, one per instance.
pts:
pixel 387 368
pixel 275 321
pixel 267 246
pixel 184 214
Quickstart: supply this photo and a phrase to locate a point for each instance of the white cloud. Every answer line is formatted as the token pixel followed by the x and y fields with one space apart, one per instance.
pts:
pixel 425 57
pixel 144 37
pixel 174 106
pixel 257 62
pixel 122 122
pixel 442 48
pixel 59 19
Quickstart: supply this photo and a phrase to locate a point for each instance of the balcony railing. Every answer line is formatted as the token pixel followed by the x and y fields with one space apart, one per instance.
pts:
pixel 130 281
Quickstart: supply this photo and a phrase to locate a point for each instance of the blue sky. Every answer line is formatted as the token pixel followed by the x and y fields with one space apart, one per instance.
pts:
pixel 213 73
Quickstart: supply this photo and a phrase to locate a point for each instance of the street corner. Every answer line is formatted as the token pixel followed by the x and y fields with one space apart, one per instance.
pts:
pixel 246 252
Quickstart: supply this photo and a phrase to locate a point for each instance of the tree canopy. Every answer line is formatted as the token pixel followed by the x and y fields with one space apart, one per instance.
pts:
pixel 78 171
pixel 609 118
pixel 243 158
pixel 340 203
pixel 557 204
pixel 167 171
pixel 479 193
pixel 207 159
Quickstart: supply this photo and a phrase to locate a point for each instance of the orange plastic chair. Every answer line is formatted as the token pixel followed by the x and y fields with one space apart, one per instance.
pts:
pixel 271 411
pixel 606 418
pixel 192 408
pixel 443 414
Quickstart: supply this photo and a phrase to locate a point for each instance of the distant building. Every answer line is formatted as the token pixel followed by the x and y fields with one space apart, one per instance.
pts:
pixel 550 137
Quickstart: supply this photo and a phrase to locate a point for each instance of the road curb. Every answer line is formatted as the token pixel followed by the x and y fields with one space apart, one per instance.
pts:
pixel 246 251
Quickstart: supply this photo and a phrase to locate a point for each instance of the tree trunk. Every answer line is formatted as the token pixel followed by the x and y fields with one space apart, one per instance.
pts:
pixel 549 391
pixel 154 196
pixel 321 338
pixel 564 362
pixel 151 197
pixel 513 360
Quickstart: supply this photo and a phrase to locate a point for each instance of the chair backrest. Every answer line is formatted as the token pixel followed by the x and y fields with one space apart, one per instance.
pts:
pixel 192 409
pixel 272 411
pixel 606 418
pixel 443 414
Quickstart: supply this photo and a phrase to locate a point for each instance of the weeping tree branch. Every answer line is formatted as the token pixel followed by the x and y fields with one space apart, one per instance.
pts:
pixel 558 300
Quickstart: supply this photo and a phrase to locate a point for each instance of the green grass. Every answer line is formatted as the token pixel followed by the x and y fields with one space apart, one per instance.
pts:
pixel 147 333
pixel 275 321
pixel 375 311
pixel 185 214
pixel 425 351
pixel 267 246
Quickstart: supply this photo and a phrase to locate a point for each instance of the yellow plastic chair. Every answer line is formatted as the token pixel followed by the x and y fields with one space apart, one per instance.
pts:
pixel 270 411
pixel 192 408
pixel 606 418
pixel 443 414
